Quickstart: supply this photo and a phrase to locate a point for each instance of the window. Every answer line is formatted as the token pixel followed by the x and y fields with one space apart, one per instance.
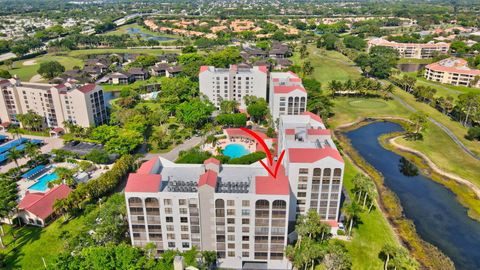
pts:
pixel 230 220
pixel 245 212
pixel 230 203
pixel 231 238
pixel 231 254
pixel 183 211
pixel 168 211
pixel 185 245
pixel 185 236
pixel 182 202
pixel 245 254
pixel 245 221
pixel 170 236
pixel 170 228
pixel 167 202
pixel 184 228
pixel 303 171
pixel 171 244
pixel 169 219
pixel 245 203
pixel 230 212
pixel 245 238
pixel 183 219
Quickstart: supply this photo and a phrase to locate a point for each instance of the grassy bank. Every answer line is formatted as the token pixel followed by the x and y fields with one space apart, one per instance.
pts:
pixel 328 65
pixel 463 193
pixel 370 235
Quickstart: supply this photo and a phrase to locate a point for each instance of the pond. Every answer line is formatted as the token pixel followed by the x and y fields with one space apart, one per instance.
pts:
pixel 138 31
pixel 108 96
pixel 410 67
pixel 439 218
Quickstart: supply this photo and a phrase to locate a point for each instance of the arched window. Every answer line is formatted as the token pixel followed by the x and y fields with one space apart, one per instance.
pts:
pixel 262 204
pixel 279 204
pixel 135 201
pixel 219 203
pixel 337 172
pixel 327 172
pixel 317 172
pixel 152 202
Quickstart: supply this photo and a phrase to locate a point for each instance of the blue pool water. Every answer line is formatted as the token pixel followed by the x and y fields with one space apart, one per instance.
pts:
pixel 235 150
pixel 42 182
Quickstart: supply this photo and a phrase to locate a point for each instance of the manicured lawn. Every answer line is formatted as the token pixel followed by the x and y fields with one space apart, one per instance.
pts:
pixel 444 89
pixel 348 110
pixel 32 244
pixel 439 147
pixel 372 232
pixel 328 65
pixel 459 130
pixel 26 72
pixel 414 61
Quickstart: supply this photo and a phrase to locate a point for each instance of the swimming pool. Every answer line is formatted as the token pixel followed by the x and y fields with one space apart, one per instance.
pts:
pixel 235 150
pixel 42 182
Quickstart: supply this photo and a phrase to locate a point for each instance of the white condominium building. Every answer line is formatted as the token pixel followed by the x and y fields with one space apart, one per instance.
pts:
pixel 233 83
pixel 287 95
pixel 239 211
pixel 453 71
pixel 81 105
pixel 412 50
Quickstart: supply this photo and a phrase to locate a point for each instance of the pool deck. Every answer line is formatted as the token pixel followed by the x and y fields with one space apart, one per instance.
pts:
pixel 249 144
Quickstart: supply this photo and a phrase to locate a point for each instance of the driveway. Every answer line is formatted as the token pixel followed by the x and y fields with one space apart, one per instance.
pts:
pixel 173 154
pixel 50 143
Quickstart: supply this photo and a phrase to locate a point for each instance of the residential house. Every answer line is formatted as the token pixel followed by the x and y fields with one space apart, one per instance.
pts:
pixel 138 74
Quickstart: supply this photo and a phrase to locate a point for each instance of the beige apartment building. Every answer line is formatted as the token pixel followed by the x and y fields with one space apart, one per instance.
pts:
pixel 80 105
pixel 454 71
pixel 412 50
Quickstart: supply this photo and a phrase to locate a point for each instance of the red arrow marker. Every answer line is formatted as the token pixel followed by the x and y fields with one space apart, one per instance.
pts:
pixel 267 151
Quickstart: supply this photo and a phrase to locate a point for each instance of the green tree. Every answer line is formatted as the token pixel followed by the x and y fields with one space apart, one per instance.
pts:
pixel 4 74
pixel 125 142
pixel 194 113
pixel 337 258
pixel 104 133
pixel 50 69
pixel 257 108
pixel 228 106
pixel 31 120
pixel 14 155
pixel 98 156
pixel 189 49
pixel 351 211
pixel 418 122
pixel 354 42
pixel 469 104
pixel 209 258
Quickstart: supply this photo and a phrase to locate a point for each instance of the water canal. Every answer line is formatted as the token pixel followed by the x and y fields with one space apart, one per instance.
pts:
pixel 439 218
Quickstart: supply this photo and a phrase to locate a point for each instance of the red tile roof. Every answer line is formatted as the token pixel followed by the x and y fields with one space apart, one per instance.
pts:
pixel 87 88
pixel 312 131
pixel 239 132
pixel 290 131
pixel 331 223
pixel 283 89
pixel 212 160
pixel 208 178
pixel 146 167
pixel 309 155
pixel 41 204
pixel 58 129
pixel 293 73
pixel 4 82
pixel 314 116
pixel 263 69
pixel 273 186
pixel 138 182
pixel 203 68
pixel 460 67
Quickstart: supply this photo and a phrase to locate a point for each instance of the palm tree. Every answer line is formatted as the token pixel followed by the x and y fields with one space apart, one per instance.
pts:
pixel 351 211
pixel 15 130
pixel 32 150
pixel 388 251
pixel 14 155
pixel 209 258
